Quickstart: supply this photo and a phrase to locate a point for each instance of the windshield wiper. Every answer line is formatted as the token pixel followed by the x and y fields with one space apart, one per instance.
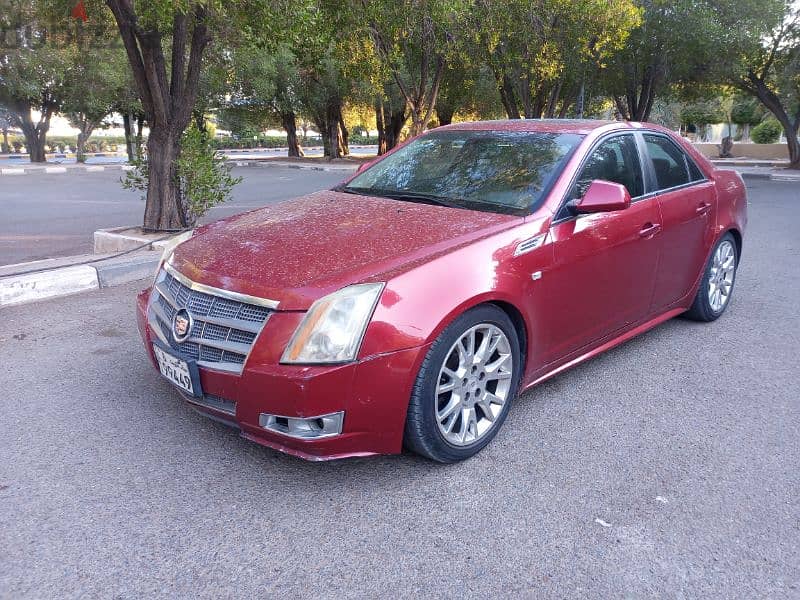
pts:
pixel 401 195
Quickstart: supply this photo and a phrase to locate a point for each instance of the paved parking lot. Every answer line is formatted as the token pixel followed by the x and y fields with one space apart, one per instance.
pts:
pixel 668 467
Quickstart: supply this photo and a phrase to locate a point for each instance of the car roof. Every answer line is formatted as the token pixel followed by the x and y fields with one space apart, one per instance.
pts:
pixel 581 126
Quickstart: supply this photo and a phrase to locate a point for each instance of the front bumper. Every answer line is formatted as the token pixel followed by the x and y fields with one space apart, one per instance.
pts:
pixel 373 393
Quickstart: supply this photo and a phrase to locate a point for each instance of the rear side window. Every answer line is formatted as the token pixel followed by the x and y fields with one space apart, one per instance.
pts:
pixel 669 162
pixel 615 160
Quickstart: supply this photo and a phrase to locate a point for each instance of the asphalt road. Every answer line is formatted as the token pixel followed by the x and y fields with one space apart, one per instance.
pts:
pixel 42 216
pixel 683 442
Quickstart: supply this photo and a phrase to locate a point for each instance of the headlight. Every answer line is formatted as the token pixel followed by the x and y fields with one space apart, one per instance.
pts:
pixel 332 329
pixel 169 247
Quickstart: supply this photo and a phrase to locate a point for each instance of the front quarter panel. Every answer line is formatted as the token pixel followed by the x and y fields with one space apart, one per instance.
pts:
pixel 419 303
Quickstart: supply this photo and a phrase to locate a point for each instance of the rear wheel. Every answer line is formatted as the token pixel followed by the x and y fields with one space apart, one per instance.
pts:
pixel 465 386
pixel 716 286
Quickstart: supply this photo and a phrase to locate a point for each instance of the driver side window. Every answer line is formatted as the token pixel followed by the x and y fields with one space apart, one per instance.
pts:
pixel 615 160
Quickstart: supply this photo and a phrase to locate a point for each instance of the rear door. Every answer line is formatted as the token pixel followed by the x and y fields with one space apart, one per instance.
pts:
pixel 604 263
pixel 687 203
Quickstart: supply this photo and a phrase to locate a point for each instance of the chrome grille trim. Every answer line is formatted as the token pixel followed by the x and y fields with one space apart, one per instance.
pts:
pixel 224 328
pixel 207 289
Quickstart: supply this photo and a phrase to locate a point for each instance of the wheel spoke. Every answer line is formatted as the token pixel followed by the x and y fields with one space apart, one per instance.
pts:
pixel 498 376
pixel 451 407
pixel 491 368
pixel 446 387
pixel 494 398
pixel 482 354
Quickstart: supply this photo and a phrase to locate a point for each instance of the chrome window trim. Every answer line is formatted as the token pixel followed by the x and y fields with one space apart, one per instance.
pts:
pixel 207 289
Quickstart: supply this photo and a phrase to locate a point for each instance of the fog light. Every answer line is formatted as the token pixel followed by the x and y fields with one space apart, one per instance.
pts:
pixel 303 428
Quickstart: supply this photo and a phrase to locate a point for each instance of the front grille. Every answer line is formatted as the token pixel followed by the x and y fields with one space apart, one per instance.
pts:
pixel 223 330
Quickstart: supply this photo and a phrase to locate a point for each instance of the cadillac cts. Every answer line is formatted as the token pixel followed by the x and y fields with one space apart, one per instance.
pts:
pixel 411 304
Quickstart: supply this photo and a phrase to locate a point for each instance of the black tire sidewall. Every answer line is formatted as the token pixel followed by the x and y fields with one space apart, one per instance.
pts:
pixel 424 435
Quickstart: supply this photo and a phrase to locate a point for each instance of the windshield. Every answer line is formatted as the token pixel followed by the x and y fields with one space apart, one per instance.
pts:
pixel 484 170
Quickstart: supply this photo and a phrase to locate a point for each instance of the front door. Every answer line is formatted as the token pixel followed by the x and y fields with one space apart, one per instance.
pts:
pixel 603 271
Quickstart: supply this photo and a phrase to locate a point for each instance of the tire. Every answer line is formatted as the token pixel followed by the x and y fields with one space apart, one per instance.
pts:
pixel 711 299
pixel 486 373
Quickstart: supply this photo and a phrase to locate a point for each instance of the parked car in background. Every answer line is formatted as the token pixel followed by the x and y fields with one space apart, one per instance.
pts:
pixel 410 305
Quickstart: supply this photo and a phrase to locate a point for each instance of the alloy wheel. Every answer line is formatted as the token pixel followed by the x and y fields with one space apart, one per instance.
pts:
pixel 474 384
pixel 721 275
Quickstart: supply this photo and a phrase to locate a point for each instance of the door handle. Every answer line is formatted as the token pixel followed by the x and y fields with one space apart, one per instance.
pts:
pixel 703 208
pixel 649 230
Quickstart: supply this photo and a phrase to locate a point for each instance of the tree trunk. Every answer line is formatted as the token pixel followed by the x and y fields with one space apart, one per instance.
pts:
pixel 380 125
pixel 34 142
pixel 84 133
pixel 344 135
pixel 508 97
pixel 6 148
pixel 332 125
pixel 290 126
pixel 200 121
pixel 444 114
pixel 126 123
pixel 80 150
pixel 139 128
pixel 757 86
pixel 163 209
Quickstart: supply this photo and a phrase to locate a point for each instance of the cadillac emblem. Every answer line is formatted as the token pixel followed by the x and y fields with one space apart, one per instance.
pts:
pixel 181 325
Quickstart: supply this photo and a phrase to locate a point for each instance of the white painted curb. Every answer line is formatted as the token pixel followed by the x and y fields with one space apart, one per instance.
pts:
pixel 55 169
pixel 47 284
pixel 12 171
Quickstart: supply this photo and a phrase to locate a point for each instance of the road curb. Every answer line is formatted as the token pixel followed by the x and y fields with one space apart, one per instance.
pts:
pixel 73 279
pixel 291 165
pixel 61 169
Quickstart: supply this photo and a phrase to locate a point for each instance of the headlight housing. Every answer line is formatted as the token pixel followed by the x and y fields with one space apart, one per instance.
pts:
pixel 332 330
pixel 169 248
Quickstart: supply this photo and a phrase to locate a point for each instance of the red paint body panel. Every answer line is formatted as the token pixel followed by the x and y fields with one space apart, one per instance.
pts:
pixel 594 281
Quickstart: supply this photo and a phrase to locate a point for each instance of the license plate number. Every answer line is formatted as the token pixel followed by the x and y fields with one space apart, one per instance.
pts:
pixel 174 369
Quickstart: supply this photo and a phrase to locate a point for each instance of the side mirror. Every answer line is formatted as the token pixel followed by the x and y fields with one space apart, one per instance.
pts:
pixel 603 196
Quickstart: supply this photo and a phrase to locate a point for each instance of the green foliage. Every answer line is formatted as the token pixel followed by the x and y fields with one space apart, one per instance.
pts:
pixel 746 111
pixel 767 132
pixel 203 177
pixel 703 113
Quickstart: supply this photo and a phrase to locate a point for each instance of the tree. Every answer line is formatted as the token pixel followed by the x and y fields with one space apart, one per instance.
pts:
pixel 166 43
pixel 746 112
pixel 412 39
pixel 95 83
pixel 672 46
pixel 267 85
pixel 763 60
pixel 32 71
pixel 5 125
pixel 543 55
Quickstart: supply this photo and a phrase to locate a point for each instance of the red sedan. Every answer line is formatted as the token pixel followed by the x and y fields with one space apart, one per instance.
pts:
pixel 411 304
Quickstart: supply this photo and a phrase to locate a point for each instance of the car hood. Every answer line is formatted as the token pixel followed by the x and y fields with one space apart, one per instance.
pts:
pixel 298 251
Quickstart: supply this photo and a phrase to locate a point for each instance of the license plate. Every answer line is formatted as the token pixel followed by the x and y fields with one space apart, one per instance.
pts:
pixel 175 369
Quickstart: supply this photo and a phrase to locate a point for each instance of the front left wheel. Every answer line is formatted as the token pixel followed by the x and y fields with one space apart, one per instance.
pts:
pixel 465 386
